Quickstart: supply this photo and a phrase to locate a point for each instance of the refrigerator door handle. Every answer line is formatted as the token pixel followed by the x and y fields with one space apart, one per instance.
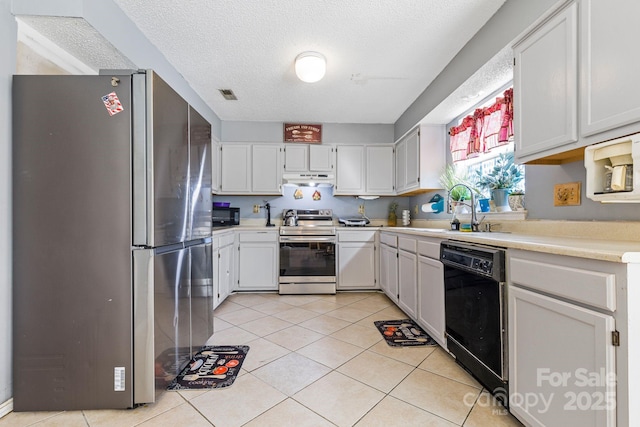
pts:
pixel 197 242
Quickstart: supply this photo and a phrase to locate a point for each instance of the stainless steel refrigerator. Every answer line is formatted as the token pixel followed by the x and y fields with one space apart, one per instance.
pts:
pixel 112 268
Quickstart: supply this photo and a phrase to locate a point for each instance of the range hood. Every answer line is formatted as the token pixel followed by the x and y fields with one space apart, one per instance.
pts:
pixel 309 179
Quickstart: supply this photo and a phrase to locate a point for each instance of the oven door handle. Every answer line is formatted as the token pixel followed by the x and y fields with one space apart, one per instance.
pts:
pixel 306 239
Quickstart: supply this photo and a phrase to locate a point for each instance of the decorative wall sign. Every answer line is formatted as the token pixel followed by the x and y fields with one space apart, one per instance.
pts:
pixel 298 194
pixel 305 133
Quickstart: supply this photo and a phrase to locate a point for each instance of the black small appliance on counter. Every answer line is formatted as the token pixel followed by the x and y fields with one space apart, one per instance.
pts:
pixel 225 216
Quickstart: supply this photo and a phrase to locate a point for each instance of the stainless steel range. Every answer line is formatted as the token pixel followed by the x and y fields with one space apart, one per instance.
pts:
pixel 307 252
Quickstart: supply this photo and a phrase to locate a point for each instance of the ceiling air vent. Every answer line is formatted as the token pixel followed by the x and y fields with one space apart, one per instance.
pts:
pixel 228 94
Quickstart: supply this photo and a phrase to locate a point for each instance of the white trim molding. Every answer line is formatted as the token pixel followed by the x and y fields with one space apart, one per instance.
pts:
pixel 6 407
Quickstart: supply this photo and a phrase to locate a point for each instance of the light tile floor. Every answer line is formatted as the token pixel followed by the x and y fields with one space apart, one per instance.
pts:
pixel 313 361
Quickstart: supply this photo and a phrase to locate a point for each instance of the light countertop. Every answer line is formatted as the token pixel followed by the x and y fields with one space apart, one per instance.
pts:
pixel 584 247
pixel 607 241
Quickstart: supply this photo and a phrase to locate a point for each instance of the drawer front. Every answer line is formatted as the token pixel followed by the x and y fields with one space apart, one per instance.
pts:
pixel 429 249
pixel 406 244
pixel 226 240
pixel 389 239
pixel 258 236
pixel 594 288
pixel 357 236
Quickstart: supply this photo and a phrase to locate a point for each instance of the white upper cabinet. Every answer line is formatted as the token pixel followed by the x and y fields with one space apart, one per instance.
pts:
pixel 420 159
pixel 267 168
pixel 296 158
pixel 364 170
pixel 350 170
pixel 321 158
pixel 609 66
pixel 235 168
pixel 251 168
pixel 545 85
pixel 309 158
pixel 380 170
pixel 576 80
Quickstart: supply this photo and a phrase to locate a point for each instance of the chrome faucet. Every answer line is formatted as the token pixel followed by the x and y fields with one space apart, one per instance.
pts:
pixel 474 219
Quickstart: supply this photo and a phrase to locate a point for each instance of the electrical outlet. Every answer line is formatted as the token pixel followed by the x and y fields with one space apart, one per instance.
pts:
pixel 361 209
pixel 415 210
pixel 567 194
pixel 256 208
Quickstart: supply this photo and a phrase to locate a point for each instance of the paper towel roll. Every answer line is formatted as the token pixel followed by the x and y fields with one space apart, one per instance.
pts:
pixel 618 178
pixel 427 207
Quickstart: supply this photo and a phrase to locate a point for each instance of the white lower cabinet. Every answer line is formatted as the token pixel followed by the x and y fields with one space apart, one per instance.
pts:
pixel 431 290
pixel 562 356
pixel 356 263
pixel 222 266
pixel 563 362
pixel 408 276
pixel 257 260
pixel 225 271
pixel 389 265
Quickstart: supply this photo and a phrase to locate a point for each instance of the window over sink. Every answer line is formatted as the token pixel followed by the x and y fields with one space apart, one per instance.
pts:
pixel 480 137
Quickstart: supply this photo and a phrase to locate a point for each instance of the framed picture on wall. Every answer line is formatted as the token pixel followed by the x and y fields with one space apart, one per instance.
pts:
pixel 303 133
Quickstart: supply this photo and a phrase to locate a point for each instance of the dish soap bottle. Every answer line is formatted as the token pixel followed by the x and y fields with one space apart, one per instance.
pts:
pixel 455 224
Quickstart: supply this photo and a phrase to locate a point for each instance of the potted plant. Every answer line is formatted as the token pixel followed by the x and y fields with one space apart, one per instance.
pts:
pixel 500 180
pixel 449 179
pixel 393 218
pixel 516 200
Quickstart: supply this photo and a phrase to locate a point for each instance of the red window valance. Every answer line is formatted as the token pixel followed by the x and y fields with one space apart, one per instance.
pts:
pixel 486 128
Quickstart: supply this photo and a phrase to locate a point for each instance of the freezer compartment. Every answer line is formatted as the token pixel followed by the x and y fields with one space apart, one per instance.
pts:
pixel 162 319
pixel 173 312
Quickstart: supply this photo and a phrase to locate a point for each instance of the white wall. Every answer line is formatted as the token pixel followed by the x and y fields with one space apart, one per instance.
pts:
pixel 8 42
pixel 332 133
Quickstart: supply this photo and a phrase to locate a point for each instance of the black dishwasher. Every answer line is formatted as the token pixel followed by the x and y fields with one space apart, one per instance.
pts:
pixel 475 311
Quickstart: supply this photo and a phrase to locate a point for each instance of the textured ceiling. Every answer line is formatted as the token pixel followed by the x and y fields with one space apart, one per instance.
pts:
pixel 380 54
pixel 497 72
pixel 81 40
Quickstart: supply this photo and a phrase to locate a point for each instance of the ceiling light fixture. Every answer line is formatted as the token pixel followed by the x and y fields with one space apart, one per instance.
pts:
pixel 310 66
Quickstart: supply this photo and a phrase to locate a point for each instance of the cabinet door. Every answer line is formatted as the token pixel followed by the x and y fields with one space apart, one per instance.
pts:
pixel 560 354
pixel 266 168
pixel 350 170
pixel 545 85
pixel 408 283
pixel 380 170
pixel 225 272
pixel 296 158
pixel 257 262
pixel 321 158
pixel 215 167
pixel 609 64
pixel 401 166
pixel 236 168
pixel 389 271
pixel 412 161
pixel 356 265
pixel 431 298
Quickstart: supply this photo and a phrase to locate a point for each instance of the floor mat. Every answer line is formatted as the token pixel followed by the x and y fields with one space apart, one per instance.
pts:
pixel 402 333
pixel 211 367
